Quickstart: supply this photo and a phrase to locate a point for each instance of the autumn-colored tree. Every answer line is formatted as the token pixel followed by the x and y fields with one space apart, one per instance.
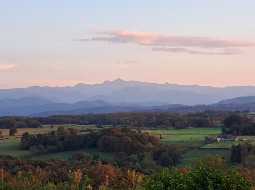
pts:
pixel 103 174
pixel 12 131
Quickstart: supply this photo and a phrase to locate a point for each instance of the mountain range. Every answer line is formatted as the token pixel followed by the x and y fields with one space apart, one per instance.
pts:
pixel 121 96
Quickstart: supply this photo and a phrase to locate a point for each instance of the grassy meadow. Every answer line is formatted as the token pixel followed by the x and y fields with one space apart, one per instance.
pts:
pixel 194 138
pixel 185 136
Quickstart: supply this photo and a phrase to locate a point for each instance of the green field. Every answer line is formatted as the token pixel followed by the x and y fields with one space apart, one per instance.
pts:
pixel 193 155
pixel 192 138
pixel 48 128
pixel 185 136
pixel 11 147
pixel 219 145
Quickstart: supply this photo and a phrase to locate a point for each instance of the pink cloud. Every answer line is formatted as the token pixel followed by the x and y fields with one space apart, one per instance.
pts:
pixel 174 43
pixel 4 67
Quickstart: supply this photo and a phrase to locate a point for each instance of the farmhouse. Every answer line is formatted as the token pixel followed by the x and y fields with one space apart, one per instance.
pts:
pixel 223 138
pixel 251 116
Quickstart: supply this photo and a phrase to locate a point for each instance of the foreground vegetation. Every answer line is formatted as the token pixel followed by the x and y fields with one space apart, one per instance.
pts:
pixel 135 151
pixel 81 173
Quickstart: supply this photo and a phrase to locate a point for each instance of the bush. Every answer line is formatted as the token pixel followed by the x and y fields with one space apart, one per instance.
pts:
pixel 201 178
pixel 238 125
pixel 166 155
pixel 12 131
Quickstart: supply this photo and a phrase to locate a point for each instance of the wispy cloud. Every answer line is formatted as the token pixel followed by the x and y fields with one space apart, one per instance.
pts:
pixel 4 67
pixel 221 51
pixel 174 43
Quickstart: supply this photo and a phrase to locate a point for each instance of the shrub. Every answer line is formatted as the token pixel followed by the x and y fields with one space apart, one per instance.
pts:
pixel 201 178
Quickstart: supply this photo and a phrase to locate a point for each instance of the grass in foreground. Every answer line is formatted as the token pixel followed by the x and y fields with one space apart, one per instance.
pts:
pixel 197 154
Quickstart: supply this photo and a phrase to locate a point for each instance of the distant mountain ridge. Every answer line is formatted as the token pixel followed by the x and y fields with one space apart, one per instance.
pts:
pixel 32 106
pixel 131 92
pixel 239 100
pixel 124 96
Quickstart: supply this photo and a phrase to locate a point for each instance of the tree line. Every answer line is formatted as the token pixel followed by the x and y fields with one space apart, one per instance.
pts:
pixel 19 122
pixel 147 119
pixel 237 124
pixel 232 121
pixel 133 120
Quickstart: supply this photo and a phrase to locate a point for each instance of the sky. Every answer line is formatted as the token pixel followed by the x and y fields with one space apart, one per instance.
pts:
pixel 63 42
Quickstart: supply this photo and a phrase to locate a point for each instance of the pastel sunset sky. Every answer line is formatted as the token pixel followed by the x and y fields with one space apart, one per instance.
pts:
pixel 64 42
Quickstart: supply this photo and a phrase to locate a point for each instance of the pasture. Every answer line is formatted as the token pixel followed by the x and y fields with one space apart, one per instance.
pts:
pixel 193 138
pixel 185 136
pixel 47 129
pixel 10 147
